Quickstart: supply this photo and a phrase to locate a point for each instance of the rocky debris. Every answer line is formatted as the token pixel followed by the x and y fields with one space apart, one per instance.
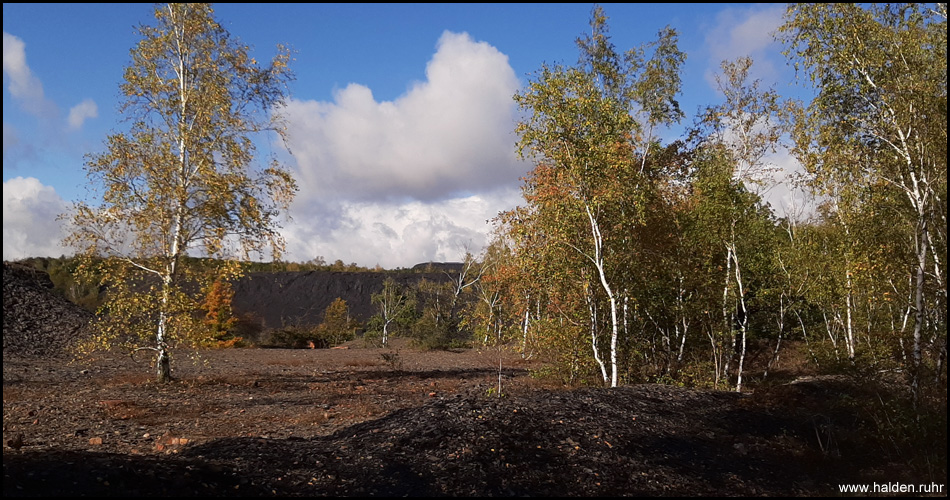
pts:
pixel 344 422
pixel 631 441
pixel 305 423
pixel 36 320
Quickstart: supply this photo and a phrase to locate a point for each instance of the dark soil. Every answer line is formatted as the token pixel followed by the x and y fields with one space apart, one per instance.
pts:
pixel 369 421
pixel 396 422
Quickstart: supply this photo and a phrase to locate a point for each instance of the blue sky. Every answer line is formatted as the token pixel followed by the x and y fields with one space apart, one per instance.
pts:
pixel 401 120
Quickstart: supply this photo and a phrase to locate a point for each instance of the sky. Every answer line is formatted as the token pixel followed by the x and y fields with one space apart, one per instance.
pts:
pixel 401 118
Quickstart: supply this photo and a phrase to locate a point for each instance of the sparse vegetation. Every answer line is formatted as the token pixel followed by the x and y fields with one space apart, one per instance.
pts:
pixel 655 270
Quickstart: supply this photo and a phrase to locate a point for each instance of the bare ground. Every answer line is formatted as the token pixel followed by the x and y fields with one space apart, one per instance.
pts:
pixel 400 422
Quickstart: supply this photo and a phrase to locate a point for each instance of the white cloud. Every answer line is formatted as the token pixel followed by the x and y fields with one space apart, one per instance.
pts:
pixel 25 87
pixel 782 192
pixel 30 228
pixel 451 134
pixel 746 32
pixel 414 179
pixel 739 32
pixel 80 112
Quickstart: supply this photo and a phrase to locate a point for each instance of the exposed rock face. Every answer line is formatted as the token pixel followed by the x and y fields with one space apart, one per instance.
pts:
pixel 300 298
pixel 36 320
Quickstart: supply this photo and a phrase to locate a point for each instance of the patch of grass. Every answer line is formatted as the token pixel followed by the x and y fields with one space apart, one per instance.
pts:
pixel 913 436
pixel 865 420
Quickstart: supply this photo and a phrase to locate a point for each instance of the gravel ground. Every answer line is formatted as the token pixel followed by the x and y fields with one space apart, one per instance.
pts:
pixel 395 421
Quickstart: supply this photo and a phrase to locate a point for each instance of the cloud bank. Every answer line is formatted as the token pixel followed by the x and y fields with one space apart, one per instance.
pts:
pixel 399 235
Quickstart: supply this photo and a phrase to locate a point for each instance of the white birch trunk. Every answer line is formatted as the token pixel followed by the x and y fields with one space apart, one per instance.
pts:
pixel 726 317
pixel 598 260
pixel 592 308
pixel 524 329
pixel 743 326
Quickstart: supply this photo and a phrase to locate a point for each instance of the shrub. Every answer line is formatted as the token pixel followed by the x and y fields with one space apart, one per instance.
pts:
pixel 337 326
pixel 428 334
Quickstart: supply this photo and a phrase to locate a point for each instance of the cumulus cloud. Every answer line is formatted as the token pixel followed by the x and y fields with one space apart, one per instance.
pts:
pixel 403 181
pixel 80 112
pixel 450 134
pixel 30 228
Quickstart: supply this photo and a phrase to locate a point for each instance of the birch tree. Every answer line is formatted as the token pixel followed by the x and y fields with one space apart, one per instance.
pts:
pixel 582 131
pixel 746 128
pixel 392 302
pixel 183 179
pixel 879 122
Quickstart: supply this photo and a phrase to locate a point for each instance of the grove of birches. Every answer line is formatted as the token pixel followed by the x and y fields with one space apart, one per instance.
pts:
pixel 634 258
